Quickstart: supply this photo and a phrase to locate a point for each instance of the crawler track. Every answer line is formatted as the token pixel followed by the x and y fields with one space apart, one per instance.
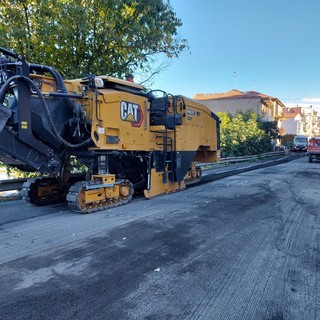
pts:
pixel 43 191
pixel 76 201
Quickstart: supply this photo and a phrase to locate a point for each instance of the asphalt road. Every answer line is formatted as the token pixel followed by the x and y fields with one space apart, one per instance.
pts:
pixel 244 247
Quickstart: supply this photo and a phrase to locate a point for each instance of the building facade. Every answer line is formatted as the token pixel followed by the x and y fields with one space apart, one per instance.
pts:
pixel 266 107
pixel 296 120
pixel 301 121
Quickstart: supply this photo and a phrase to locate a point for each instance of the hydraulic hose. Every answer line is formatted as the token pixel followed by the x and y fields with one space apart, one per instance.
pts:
pixel 8 53
pixel 55 74
pixel 45 108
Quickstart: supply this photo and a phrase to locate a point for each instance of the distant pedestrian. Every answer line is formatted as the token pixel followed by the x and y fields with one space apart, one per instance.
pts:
pixel 129 77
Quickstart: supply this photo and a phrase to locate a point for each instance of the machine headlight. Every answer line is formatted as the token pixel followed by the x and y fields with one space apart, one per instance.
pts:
pixel 98 82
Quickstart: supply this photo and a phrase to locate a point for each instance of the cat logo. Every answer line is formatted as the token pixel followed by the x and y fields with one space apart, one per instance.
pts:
pixel 131 112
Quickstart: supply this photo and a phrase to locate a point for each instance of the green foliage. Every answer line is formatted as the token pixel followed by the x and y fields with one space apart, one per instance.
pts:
pixel 17 173
pixel 287 140
pixel 12 172
pixel 270 127
pixel 242 135
pixel 79 37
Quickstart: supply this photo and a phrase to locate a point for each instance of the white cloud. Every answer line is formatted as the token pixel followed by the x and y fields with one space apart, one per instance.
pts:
pixel 305 103
pixel 311 100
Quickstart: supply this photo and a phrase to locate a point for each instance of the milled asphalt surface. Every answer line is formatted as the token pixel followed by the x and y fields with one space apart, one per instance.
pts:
pixel 242 247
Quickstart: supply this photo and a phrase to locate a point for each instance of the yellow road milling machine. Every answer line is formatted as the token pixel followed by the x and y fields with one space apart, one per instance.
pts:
pixel 127 139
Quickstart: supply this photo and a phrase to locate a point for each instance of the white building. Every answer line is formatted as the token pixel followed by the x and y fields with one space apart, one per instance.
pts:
pixel 301 121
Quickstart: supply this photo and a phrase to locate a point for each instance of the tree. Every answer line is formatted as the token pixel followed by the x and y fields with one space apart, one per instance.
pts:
pixel 269 127
pixel 241 134
pixel 78 37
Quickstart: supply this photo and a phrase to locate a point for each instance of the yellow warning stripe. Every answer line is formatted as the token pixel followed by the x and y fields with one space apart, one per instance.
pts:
pixel 24 124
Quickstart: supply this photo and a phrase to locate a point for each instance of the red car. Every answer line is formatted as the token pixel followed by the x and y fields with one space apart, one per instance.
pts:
pixel 314 149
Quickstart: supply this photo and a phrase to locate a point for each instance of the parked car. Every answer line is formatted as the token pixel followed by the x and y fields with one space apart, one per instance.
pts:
pixel 314 149
pixel 300 143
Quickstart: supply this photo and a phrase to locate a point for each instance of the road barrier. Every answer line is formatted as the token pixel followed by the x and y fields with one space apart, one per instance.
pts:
pixel 11 184
pixel 252 158
pixel 232 160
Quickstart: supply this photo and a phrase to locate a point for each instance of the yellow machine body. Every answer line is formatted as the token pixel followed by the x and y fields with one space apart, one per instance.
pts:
pixel 121 121
pixel 178 128
pixel 169 134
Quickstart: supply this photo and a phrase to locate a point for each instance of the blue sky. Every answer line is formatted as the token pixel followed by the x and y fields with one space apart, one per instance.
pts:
pixel 269 46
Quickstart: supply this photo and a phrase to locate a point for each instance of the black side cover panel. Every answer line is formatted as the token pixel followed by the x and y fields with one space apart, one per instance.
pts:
pixel 183 162
pixel 16 153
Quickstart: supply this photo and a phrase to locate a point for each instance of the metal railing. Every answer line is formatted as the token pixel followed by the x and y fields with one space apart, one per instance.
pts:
pixel 11 184
pixel 234 160
pixel 253 157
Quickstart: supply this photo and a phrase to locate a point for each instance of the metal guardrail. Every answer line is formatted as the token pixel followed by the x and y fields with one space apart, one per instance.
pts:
pixel 16 184
pixel 253 157
pixel 233 160
pixel 11 184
